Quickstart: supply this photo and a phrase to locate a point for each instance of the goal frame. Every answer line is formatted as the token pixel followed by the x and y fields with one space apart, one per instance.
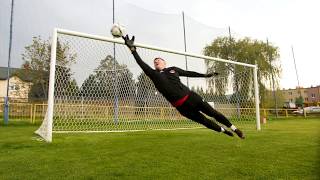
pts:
pixel 56 31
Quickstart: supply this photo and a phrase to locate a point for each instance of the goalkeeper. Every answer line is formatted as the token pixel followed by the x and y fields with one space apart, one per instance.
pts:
pixel 187 102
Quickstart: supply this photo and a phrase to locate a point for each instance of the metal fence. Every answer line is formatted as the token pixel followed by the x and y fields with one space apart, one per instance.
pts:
pixel 27 112
pixel 34 113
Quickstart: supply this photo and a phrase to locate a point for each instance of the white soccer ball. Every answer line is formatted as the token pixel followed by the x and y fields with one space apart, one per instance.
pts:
pixel 117 30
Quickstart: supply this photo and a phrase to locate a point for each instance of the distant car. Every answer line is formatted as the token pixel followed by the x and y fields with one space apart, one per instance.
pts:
pixel 298 111
pixel 312 109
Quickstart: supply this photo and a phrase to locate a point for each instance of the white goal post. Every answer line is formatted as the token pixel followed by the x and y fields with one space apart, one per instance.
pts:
pixel 96 86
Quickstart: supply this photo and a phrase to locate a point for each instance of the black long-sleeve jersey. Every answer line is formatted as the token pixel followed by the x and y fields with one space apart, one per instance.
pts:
pixel 167 81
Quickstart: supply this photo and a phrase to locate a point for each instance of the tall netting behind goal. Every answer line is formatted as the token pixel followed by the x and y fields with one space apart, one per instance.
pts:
pixel 96 86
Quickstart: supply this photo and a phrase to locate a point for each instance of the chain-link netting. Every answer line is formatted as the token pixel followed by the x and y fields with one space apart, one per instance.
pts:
pixel 94 91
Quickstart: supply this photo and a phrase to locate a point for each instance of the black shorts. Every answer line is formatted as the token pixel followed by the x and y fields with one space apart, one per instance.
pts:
pixel 195 105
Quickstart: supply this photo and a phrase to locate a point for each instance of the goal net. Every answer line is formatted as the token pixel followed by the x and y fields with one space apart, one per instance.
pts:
pixel 96 86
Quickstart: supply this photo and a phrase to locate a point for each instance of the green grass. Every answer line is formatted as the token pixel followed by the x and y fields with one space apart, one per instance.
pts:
pixel 284 149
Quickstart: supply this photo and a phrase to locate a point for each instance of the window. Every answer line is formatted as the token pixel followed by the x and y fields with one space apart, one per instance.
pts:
pixel 290 93
pixel 313 95
pixel 291 100
pixel 305 99
pixel 14 87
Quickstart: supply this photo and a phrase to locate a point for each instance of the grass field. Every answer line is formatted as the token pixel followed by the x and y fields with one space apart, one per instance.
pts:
pixel 284 149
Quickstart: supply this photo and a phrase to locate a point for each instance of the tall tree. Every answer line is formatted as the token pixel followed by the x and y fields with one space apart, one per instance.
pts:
pixel 110 80
pixel 36 66
pixel 270 101
pixel 147 94
pixel 244 50
pixel 299 101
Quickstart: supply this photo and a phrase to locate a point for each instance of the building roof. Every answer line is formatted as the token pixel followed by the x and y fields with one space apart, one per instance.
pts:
pixel 14 72
pixel 318 86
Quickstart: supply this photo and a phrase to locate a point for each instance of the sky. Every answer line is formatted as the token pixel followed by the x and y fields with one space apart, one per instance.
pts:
pixel 286 24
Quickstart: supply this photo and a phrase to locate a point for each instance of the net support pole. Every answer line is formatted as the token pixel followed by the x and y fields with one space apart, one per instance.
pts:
pixel 256 95
pixel 115 84
pixel 185 44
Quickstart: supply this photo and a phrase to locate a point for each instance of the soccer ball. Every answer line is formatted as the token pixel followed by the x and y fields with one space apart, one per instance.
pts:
pixel 117 30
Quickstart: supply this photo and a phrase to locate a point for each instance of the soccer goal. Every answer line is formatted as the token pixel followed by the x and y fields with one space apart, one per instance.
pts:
pixel 95 85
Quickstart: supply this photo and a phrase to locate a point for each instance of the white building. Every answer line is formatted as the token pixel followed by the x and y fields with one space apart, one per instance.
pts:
pixel 19 86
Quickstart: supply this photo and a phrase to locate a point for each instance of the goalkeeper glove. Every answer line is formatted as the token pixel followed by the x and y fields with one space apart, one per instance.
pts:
pixel 129 42
pixel 212 74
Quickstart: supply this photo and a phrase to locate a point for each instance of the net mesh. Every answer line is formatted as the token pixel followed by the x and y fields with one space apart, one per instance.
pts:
pixel 96 92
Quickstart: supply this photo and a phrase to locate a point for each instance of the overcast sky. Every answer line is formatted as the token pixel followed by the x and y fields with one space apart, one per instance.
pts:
pixel 285 23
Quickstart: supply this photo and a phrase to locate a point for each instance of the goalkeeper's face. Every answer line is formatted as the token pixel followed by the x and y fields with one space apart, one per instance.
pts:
pixel 159 64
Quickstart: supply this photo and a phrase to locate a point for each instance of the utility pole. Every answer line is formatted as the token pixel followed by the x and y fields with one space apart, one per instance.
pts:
pixel 272 78
pixel 6 100
pixel 295 66
pixel 230 53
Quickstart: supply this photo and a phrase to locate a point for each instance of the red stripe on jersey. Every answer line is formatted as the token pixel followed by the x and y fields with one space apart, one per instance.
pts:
pixel 180 101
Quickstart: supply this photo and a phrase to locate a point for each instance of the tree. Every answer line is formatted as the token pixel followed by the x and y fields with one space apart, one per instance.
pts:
pixel 198 90
pixel 248 51
pixel 209 95
pixel 270 99
pixel 110 80
pixel 36 65
pixel 147 94
pixel 299 101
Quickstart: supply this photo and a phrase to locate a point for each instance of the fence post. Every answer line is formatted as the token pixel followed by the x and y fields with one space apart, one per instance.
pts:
pixel 34 112
pixel 31 118
pixel 287 113
pixel 161 113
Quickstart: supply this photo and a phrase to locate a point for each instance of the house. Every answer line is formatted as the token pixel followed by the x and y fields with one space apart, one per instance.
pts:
pixel 314 94
pixel 311 95
pixel 290 95
pixel 19 85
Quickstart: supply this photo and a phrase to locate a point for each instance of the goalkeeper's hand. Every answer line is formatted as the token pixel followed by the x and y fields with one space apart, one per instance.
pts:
pixel 212 74
pixel 129 42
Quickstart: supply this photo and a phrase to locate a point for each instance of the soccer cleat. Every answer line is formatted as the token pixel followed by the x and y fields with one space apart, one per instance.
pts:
pixel 228 133
pixel 239 133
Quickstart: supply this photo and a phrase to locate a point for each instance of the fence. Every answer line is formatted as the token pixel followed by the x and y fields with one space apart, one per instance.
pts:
pixel 35 113
pixel 27 112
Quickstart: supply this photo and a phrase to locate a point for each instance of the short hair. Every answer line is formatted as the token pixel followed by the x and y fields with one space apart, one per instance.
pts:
pixel 158 58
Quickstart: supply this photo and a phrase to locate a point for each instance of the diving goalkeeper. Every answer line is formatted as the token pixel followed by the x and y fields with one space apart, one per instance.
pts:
pixel 187 102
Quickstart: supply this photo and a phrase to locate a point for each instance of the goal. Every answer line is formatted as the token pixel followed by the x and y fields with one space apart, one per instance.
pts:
pixel 95 85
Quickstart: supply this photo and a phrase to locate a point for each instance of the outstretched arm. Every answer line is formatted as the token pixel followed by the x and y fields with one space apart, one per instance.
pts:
pixel 145 67
pixel 182 72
